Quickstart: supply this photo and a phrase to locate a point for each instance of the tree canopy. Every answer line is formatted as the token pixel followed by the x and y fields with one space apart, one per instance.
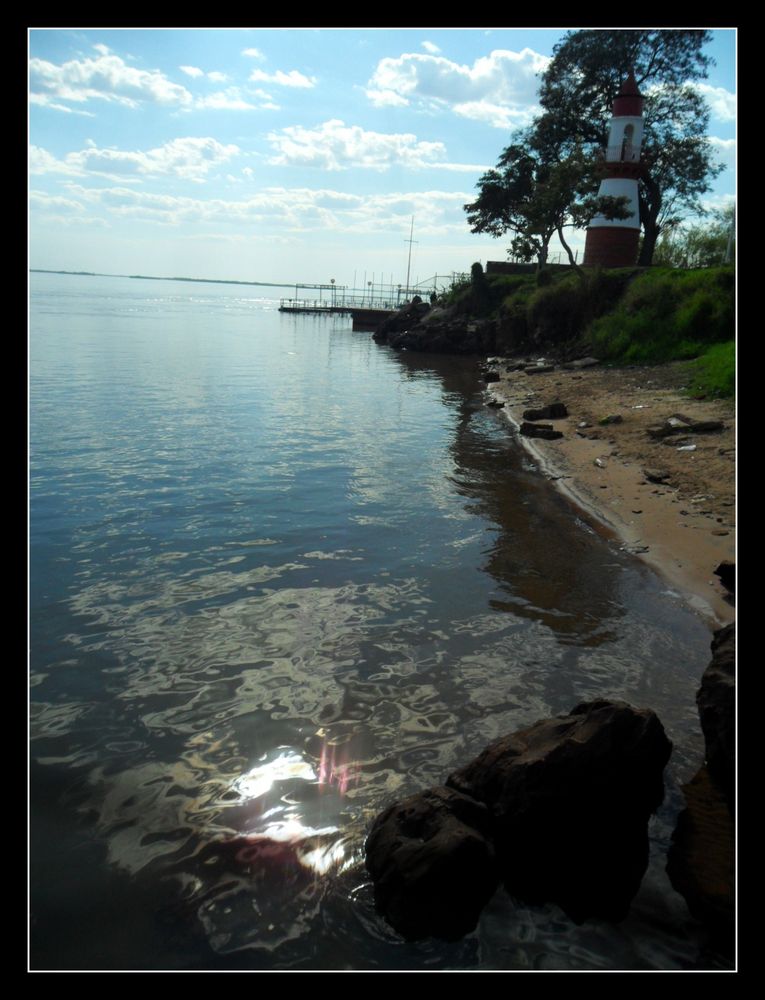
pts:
pixel 576 95
pixel 707 244
pixel 534 193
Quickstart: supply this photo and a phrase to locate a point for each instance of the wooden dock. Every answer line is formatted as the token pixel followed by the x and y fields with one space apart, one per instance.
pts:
pixel 364 317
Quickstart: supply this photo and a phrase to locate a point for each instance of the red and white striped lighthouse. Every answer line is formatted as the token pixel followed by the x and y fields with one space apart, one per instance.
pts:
pixel 614 242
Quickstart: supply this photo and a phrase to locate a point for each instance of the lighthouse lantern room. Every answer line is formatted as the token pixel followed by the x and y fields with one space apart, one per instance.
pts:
pixel 614 242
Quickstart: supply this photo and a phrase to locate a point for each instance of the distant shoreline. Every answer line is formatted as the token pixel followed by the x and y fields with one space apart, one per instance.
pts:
pixel 154 277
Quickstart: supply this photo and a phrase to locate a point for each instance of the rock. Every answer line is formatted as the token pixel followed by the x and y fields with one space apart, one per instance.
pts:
pixel 726 571
pixel 539 369
pixel 656 475
pixel 678 424
pixel 613 418
pixel 700 862
pixel 555 411
pixel 407 316
pixel 491 377
pixel 496 404
pixel 432 864
pixel 581 363
pixel 706 426
pixel 545 431
pixel 716 701
pixel 570 799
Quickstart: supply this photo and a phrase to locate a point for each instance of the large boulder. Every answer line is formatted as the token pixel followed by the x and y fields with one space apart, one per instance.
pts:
pixel 701 863
pixel 432 864
pixel 716 700
pixel 570 799
pixel 558 810
pixel 702 859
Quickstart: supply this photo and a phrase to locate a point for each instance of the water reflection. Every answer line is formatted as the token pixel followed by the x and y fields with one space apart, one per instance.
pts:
pixel 547 570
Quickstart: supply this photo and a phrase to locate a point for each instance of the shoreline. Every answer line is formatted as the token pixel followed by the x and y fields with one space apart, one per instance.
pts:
pixel 682 528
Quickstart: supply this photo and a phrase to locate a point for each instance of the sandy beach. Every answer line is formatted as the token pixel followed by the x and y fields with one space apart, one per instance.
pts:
pixel 684 525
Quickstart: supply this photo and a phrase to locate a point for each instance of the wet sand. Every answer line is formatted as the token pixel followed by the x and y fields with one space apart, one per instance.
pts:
pixel 682 527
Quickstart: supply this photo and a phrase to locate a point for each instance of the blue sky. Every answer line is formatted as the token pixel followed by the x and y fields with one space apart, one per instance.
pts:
pixel 285 154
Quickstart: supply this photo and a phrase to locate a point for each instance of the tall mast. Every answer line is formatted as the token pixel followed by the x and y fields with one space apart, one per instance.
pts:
pixel 410 241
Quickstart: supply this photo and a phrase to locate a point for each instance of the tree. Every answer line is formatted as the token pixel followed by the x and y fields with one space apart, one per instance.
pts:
pixel 702 245
pixel 577 92
pixel 534 193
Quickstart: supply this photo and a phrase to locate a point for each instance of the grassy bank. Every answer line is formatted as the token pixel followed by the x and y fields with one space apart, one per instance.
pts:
pixel 622 315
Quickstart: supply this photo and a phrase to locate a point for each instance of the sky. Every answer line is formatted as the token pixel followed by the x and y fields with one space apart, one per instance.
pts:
pixel 286 155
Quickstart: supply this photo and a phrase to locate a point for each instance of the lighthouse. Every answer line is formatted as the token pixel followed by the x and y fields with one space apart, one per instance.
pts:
pixel 614 242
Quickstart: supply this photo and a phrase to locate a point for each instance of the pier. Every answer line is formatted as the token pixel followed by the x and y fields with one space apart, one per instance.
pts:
pixel 368 307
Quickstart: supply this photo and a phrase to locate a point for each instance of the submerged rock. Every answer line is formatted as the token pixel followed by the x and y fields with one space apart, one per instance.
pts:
pixel 432 864
pixel 558 811
pixel 571 798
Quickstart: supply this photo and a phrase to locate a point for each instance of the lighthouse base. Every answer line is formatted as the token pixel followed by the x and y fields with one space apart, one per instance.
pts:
pixel 611 246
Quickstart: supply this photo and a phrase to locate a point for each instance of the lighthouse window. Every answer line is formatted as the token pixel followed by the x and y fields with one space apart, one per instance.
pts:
pixel 629 131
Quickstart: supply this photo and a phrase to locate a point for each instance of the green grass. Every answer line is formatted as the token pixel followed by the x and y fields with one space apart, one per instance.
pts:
pixel 667 315
pixel 714 373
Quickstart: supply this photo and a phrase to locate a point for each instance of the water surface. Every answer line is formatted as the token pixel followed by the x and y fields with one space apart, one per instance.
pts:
pixel 280 577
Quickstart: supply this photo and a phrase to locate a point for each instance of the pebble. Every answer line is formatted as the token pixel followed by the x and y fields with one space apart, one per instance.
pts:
pixel 720 531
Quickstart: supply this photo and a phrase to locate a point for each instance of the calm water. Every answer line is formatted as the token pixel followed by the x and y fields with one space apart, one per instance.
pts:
pixel 281 576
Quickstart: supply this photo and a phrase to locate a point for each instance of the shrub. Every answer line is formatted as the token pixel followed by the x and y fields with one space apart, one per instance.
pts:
pixel 714 373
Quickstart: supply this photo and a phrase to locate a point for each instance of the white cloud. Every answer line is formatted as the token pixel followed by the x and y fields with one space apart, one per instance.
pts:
pixel 40 161
pixel 253 54
pixel 725 149
pixel 337 146
pixel 289 210
pixel 106 78
pixel 188 158
pixel 430 47
pixel 291 79
pixel 57 211
pixel 717 202
pixel 43 101
pixel 196 72
pixel 495 114
pixel 56 203
pixel 386 99
pixel 265 101
pixel 225 100
pixel 721 101
pixel 502 86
